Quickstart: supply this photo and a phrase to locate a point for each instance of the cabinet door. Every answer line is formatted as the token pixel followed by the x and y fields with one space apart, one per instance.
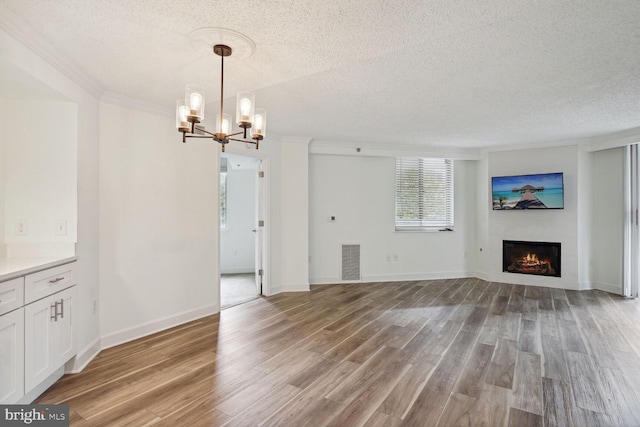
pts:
pixel 63 339
pixel 11 356
pixel 39 330
pixel 49 339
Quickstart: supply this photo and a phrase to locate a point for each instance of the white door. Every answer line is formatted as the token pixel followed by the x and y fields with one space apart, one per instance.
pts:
pixel 11 356
pixel 259 234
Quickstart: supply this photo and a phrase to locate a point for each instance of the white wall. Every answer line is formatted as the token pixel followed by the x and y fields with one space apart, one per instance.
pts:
pixel 287 227
pixel 159 225
pixel 536 225
pixel 3 109
pixel 237 240
pixel 607 226
pixel 40 177
pixel 87 324
pixel 483 199
pixel 360 192
pixel 294 214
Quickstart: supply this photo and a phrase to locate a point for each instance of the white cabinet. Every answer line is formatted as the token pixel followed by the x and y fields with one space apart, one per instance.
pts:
pixel 48 336
pixel 36 330
pixel 11 295
pixel 12 356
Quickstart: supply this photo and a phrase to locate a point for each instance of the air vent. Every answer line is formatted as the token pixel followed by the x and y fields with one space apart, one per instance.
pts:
pixel 350 262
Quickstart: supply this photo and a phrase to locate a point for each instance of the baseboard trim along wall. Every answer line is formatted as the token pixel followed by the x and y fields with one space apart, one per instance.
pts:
pixel 304 287
pixel 42 387
pixel 84 357
pixel 395 277
pixel 130 334
pixel 608 287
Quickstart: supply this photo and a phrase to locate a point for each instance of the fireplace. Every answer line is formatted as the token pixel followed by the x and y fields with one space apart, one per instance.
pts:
pixel 541 258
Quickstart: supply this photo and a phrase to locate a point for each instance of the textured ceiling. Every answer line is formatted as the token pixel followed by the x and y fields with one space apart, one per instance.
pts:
pixel 449 73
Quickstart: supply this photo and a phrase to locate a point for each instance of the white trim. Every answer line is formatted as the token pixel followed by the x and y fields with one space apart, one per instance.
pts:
pixel 84 357
pixel 135 332
pixel 615 140
pixel 295 140
pixel 399 277
pixel 304 287
pixel 585 286
pixel 391 150
pixel 25 34
pixel 42 387
pixel 136 104
pixel 608 287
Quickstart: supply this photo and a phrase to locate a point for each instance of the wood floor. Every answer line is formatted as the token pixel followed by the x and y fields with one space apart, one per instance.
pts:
pixel 447 352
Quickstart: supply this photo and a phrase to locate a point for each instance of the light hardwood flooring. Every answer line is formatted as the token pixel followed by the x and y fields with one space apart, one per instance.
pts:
pixel 445 352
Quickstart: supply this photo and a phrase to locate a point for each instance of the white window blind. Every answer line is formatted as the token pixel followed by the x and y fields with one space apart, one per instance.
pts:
pixel 424 193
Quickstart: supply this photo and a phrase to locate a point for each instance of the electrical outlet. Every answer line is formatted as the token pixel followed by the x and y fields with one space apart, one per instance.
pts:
pixel 61 227
pixel 95 306
pixel 21 227
pixel 395 257
pixel 388 257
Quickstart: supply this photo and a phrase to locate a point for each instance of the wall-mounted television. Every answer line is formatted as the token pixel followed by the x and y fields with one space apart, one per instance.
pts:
pixel 540 191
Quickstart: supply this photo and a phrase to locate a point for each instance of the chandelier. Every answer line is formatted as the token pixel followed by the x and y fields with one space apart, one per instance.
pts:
pixel 190 112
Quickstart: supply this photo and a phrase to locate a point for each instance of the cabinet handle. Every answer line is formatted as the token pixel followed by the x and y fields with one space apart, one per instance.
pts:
pixel 56 280
pixel 54 308
pixel 62 308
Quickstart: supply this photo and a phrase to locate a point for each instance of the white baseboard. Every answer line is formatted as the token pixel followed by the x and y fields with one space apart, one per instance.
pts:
pixel 608 287
pixel 42 387
pixel 84 357
pixel 303 287
pixel 130 334
pixel 405 277
pixel 585 286
pixel 398 277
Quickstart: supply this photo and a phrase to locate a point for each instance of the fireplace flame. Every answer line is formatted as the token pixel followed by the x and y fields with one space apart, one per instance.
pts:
pixel 532 260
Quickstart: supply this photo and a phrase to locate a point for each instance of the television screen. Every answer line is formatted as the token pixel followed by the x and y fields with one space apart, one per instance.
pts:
pixel 541 191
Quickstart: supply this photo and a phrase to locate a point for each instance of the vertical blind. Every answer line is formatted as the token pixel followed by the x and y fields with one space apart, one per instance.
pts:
pixel 424 193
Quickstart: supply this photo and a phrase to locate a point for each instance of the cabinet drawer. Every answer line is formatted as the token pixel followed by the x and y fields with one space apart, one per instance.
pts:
pixel 11 295
pixel 43 283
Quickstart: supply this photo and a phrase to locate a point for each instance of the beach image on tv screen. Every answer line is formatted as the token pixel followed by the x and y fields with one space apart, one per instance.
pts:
pixel 542 191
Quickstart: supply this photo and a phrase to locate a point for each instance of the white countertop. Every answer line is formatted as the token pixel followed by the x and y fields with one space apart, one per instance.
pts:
pixel 11 268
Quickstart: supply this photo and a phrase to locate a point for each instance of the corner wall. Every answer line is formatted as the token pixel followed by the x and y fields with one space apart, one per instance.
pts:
pixel 360 192
pixel 88 328
pixel 159 229
pixel 608 216
pixel 536 225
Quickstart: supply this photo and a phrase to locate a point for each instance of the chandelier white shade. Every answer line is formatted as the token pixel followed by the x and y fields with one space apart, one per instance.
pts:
pixel 190 112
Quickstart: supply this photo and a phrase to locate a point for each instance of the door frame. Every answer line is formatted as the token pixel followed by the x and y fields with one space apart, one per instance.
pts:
pixel 266 233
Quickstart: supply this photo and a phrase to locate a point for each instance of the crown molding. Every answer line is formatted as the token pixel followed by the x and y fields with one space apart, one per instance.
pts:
pixel 136 104
pixel 29 37
pixel 295 140
pixel 615 140
pixel 391 150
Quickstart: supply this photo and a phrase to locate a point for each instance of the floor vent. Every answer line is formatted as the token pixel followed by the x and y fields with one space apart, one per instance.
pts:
pixel 350 262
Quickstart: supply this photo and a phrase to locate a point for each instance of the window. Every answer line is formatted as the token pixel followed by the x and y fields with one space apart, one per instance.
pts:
pixel 424 193
pixel 223 199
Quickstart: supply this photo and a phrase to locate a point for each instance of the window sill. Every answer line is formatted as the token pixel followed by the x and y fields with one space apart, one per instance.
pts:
pixel 423 230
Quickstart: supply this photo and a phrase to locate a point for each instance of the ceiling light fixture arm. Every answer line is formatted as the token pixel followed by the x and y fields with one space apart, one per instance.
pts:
pixel 190 112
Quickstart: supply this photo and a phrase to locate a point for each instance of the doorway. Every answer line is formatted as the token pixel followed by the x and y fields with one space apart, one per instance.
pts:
pixel 241 231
